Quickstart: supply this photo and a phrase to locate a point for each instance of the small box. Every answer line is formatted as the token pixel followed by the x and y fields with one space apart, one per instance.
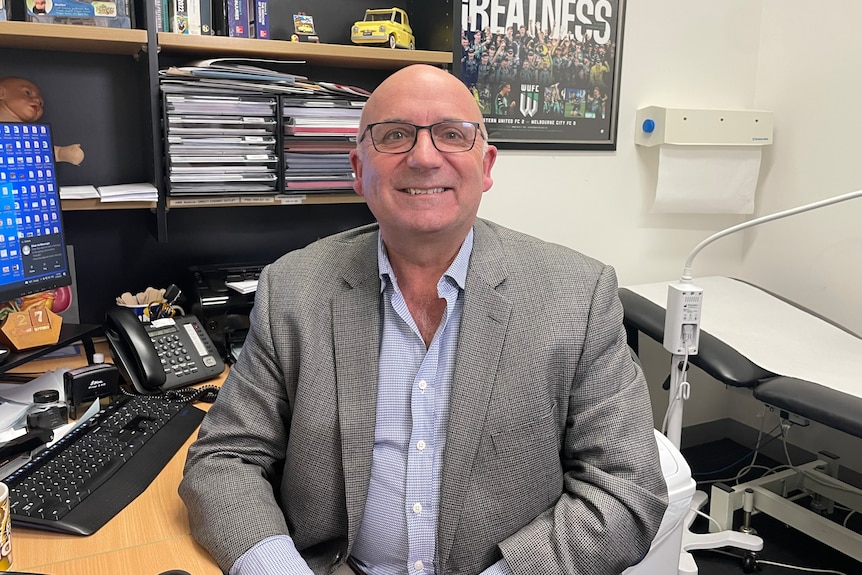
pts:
pixel 110 14
pixel 303 29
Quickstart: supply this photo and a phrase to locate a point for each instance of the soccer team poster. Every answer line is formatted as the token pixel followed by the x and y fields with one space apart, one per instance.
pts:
pixel 544 72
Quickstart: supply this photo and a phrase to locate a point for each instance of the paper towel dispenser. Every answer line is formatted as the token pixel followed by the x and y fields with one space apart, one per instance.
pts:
pixel 687 127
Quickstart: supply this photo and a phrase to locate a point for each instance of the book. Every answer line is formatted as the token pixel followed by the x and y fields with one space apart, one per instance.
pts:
pixel 166 15
pixel 194 8
pixel 206 10
pixel 219 18
pixel 261 19
pixel 160 24
pixel 237 18
pixel 179 17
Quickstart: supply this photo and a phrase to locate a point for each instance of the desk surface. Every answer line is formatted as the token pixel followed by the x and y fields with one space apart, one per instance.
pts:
pixel 148 537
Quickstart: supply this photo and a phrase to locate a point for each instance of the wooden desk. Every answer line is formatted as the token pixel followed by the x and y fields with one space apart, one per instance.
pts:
pixel 150 536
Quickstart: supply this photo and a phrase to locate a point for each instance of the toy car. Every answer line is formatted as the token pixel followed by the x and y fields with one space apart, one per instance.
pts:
pixel 384 26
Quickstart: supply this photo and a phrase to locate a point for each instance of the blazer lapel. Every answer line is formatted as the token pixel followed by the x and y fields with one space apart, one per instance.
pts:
pixel 356 332
pixel 483 330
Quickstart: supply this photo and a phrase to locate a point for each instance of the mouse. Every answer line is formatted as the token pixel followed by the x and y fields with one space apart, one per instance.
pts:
pixel 175 572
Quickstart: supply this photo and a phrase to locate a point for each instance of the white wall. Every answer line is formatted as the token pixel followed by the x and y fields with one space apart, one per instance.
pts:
pixel 675 53
pixel 788 56
pixel 808 75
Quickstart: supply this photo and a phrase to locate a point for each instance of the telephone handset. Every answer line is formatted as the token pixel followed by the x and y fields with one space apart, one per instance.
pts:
pixel 163 354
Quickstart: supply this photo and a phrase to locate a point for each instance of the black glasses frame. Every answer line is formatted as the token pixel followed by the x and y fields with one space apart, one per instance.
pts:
pixel 430 133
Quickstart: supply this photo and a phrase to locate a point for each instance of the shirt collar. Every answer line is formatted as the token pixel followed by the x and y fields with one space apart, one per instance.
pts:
pixel 457 270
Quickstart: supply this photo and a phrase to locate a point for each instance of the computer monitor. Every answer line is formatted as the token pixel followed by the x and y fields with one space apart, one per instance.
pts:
pixel 32 245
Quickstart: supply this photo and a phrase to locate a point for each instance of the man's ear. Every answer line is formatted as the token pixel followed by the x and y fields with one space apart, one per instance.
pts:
pixel 356 164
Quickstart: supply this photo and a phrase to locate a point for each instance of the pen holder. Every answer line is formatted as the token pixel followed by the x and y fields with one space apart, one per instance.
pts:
pixel 141 310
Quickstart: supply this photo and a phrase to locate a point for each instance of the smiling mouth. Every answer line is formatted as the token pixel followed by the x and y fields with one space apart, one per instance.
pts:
pixel 424 191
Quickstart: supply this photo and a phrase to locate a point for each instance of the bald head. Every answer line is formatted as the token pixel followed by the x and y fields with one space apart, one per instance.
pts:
pixel 408 88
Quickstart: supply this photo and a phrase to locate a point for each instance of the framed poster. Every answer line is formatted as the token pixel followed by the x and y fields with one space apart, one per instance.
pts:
pixel 545 73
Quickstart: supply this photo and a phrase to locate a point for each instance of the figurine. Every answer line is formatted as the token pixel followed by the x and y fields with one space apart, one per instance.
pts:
pixel 21 101
pixel 384 27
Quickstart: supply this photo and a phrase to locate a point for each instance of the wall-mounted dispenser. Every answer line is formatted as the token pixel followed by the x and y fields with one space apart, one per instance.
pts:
pixel 691 127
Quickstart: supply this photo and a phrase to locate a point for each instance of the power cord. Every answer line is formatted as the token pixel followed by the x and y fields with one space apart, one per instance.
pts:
pixel 816 477
pixel 777 564
pixel 682 393
pixel 203 394
pixel 753 454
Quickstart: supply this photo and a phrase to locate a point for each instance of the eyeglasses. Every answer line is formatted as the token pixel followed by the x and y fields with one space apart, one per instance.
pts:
pixel 400 137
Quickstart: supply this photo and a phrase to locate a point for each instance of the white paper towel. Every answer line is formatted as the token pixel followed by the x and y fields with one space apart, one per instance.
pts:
pixel 707 180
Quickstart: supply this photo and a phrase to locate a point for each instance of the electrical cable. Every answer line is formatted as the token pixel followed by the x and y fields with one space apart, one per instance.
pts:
pixel 682 393
pixel 711 519
pixel 743 458
pixel 203 394
pixel 820 478
pixel 777 564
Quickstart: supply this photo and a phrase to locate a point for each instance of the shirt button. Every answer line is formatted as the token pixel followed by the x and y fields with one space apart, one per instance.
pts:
pixel 423 384
pixel 418 565
pixel 420 445
pixel 417 508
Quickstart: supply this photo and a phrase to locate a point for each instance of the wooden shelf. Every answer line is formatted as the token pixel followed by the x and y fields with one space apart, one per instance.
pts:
pixel 94 204
pixel 102 40
pixel 227 201
pixel 65 38
pixel 318 54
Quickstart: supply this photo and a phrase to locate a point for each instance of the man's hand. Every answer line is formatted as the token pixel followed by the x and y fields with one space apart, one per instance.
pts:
pixel 72 154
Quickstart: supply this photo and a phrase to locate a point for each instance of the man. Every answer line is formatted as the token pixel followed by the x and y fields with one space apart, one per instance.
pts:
pixel 432 393
pixel 502 105
pixel 21 101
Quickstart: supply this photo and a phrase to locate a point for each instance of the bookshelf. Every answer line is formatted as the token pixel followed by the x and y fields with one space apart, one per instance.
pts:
pixel 101 90
pixel 124 42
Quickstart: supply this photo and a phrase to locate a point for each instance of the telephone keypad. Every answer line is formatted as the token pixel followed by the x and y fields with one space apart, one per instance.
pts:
pixel 174 357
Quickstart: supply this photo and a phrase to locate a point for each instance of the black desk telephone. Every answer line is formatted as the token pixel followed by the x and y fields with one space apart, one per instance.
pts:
pixel 163 354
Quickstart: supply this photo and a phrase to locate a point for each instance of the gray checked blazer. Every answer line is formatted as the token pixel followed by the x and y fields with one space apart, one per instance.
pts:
pixel 550 459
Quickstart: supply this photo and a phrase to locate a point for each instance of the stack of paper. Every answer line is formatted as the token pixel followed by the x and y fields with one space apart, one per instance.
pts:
pixel 243 286
pixel 129 193
pixel 78 192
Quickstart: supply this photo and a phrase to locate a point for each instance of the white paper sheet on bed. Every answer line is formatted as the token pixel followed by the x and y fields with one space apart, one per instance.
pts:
pixel 773 334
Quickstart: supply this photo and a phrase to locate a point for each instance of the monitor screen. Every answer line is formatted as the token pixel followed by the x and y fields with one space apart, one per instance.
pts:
pixel 32 247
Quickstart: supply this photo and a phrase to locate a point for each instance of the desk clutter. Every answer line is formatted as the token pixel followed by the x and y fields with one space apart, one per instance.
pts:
pixel 152 303
pixel 223 296
pixel 77 484
pixel 73 476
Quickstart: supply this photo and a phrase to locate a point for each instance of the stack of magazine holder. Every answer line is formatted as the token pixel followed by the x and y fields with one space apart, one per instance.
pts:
pixel 220 143
pixel 319 132
pixel 247 142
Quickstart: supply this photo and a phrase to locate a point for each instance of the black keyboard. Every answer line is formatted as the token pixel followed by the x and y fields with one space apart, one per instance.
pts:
pixel 83 480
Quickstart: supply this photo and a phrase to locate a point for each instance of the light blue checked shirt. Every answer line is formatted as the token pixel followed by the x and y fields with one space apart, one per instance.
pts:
pixel 400 519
